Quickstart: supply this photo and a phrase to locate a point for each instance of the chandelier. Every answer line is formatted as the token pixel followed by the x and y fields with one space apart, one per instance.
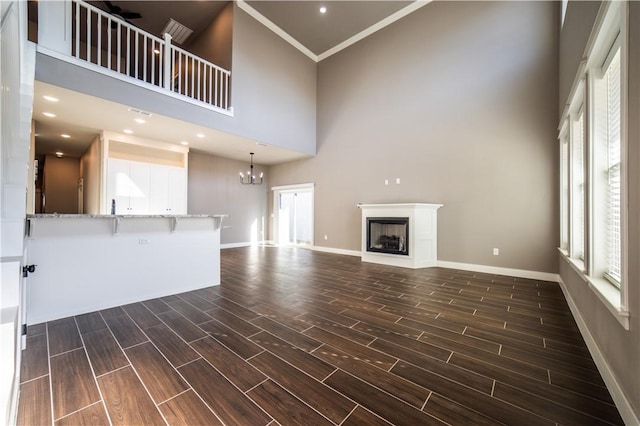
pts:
pixel 250 178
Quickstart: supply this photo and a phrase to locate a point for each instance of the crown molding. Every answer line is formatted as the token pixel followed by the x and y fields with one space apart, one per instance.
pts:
pixel 242 4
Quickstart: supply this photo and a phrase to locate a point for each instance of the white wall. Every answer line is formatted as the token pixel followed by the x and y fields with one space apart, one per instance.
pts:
pixel 214 187
pixel 91 166
pixel 16 80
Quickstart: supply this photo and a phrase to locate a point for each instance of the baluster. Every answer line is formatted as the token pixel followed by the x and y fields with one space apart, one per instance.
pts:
pixel 128 59
pixel 77 50
pixel 99 44
pixel 88 35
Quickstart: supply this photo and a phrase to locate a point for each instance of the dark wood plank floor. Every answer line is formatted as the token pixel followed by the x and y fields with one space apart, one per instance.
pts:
pixel 294 336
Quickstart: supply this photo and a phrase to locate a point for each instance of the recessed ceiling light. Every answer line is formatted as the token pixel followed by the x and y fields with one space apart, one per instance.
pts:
pixel 66 136
pixel 323 9
pixel 156 51
pixel 140 120
pixel 51 98
pixel 185 143
pixel 128 131
pixel 200 135
pixel 59 154
pixel 48 114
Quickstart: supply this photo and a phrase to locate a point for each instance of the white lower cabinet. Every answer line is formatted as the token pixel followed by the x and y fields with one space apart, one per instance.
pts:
pixel 145 188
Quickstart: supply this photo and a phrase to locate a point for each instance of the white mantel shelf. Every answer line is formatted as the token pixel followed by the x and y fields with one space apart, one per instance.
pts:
pixel 400 205
pixel 422 238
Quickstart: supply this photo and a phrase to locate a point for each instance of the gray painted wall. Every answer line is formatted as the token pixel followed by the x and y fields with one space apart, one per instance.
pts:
pixel 214 42
pixel 458 100
pixel 214 187
pixel 273 89
pixel 620 348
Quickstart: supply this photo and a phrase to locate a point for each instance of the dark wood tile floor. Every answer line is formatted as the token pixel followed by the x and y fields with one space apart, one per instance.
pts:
pixel 300 337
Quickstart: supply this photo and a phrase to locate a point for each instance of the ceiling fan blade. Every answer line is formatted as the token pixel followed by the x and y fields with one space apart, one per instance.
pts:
pixel 130 15
pixel 111 6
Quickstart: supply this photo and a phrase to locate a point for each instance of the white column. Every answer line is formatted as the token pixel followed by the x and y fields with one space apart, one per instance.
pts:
pixel 168 72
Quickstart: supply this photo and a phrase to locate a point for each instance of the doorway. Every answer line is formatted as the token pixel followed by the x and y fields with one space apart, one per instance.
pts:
pixel 293 208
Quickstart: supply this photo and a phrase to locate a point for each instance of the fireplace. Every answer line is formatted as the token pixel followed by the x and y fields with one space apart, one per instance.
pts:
pixel 403 235
pixel 388 235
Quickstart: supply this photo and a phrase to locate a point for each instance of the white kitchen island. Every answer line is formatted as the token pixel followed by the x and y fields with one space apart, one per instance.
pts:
pixel 86 263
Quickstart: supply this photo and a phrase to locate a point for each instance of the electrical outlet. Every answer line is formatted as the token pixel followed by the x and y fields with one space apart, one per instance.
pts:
pixel 496 252
pixel 386 181
pixel 143 241
pixel 326 237
pixel 397 181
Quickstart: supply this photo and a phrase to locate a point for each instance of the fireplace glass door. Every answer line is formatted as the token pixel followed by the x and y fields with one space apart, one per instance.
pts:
pixel 388 235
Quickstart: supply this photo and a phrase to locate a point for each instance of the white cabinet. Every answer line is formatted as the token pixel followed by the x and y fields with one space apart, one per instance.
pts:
pixel 168 189
pixel 128 183
pixel 145 188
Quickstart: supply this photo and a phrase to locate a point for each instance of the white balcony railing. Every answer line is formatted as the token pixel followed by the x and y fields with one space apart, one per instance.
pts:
pixel 98 38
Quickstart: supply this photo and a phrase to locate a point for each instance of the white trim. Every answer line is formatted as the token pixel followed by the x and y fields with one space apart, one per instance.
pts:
pixel 617 394
pixel 276 29
pixel 412 7
pixel 293 187
pixel 275 215
pixel 345 252
pixel 521 273
pixel 607 293
pixel 243 244
pixel 610 296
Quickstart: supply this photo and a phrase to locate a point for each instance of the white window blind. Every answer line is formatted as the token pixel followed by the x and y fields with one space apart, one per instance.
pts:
pixel 612 79
pixel 577 208
pixel 564 197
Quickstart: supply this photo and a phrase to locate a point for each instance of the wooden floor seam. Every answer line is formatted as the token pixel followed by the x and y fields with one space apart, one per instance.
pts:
pixel 294 336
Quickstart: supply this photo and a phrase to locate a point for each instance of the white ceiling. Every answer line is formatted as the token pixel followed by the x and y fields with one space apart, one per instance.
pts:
pixel 83 117
pixel 299 22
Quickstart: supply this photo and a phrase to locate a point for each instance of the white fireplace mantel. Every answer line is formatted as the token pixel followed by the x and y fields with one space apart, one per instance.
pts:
pixel 422 238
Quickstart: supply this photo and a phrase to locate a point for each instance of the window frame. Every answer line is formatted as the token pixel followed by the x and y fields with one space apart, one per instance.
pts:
pixel 609 34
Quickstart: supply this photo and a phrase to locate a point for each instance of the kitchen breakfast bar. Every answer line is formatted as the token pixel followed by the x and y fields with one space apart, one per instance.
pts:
pixel 86 263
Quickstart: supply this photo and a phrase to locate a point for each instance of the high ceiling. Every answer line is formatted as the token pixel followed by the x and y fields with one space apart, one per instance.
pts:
pixel 316 34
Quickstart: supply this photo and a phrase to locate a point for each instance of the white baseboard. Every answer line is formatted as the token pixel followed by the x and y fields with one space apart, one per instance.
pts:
pixel 246 244
pixel 622 403
pixel 521 273
pixel 357 253
pixel 234 245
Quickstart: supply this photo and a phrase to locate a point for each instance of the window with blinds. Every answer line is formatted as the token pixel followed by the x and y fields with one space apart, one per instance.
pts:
pixel 577 177
pixel 564 192
pixel 613 255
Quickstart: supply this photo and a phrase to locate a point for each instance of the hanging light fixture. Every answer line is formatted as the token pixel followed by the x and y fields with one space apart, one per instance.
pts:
pixel 250 178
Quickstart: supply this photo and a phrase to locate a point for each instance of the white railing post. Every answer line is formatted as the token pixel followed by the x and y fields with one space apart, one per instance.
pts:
pixel 168 72
pixel 54 25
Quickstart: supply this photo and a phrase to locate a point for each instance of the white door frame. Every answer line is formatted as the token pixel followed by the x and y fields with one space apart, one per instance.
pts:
pixel 277 190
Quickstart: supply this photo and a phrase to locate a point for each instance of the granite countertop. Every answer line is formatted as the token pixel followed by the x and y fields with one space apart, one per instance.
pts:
pixel 123 216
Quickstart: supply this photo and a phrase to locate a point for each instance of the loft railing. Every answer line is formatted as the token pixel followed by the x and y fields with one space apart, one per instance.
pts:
pixel 199 79
pixel 98 38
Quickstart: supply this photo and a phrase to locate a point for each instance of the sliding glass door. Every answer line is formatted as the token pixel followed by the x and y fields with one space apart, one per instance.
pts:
pixel 294 215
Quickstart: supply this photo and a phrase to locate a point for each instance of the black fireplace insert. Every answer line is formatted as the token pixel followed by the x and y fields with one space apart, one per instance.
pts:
pixel 388 235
